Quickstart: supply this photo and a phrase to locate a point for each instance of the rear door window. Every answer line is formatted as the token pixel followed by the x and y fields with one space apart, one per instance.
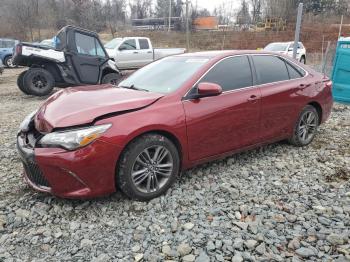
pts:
pixel 231 73
pixel 144 44
pixel 294 72
pixel 270 69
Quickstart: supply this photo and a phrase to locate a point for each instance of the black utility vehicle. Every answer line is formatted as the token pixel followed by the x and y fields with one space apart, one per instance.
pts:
pixel 77 58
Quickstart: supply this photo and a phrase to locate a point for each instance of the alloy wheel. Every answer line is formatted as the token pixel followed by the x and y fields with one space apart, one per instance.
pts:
pixel 152 169
pixel 10 63
pixel 307 126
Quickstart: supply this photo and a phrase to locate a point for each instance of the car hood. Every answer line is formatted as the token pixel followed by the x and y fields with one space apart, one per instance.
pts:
pixel 82 105
pixel 110 52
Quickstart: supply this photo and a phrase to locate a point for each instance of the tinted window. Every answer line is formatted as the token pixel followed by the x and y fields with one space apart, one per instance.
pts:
pixel 294 72
pixel 270 69
pixel 85 44
pixel 144 44
pixel 231 73
pixel 128 45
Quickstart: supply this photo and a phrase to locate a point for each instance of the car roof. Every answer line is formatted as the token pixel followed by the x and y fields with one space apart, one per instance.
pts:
pixel 135 37
pixel 224 53
pixel 8 39
pixel 289 42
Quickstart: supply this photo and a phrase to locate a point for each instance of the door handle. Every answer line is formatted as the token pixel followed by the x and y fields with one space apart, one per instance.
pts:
pixel 136 52
pixel 149 52
pixel 253 98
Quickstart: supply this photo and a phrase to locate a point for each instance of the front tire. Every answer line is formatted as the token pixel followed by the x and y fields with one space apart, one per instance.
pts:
pixel 148 167
pixel 20 83
pixel 111 78
pixel 38 82
pixel 305 128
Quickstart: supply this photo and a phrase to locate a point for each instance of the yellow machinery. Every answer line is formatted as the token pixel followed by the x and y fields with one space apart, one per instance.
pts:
pixel 271 24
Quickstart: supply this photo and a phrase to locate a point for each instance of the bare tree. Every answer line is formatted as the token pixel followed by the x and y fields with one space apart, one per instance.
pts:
pixel 243 16
pixel 256 10
pixel 140 8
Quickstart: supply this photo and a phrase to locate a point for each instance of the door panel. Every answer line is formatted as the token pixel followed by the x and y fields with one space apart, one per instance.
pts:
pixel 222 123
pixel 280 96
pixel 146 52
pixel 88 68
pixel 280 106
pixel 87 59
pixel 128 54
pixel 127 59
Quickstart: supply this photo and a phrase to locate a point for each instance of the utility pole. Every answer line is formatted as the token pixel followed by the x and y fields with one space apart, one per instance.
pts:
pixel 187 26
pixel 169 15
pixel 341 25
pixel 297 30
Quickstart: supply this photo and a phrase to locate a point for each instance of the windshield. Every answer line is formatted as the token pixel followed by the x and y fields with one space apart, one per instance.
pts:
pixel 165 75
pixel 276 47
pixel 59 41
pixel 113 43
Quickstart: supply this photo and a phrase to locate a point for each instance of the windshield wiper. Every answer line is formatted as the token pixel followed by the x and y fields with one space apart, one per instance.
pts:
pixel 133 87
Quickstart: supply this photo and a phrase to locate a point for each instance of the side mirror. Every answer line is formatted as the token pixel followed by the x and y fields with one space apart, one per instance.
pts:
pixel 290 49
pixel 208 89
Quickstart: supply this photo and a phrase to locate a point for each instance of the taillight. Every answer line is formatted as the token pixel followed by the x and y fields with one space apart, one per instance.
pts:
pixel 18 49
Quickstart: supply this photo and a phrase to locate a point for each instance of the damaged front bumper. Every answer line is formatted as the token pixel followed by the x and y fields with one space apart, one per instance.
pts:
pixel 84 173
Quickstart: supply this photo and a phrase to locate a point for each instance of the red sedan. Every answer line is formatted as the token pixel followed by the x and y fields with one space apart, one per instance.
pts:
pixel 169 116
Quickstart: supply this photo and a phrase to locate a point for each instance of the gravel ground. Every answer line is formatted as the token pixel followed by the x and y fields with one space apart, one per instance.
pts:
pixel 274 203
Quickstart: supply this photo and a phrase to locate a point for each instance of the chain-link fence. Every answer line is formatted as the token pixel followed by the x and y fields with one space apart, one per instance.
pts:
pixel 323 62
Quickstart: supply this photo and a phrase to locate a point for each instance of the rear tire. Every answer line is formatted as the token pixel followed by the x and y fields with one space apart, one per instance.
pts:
pixel 20 83
pixel 148 167
pixel 9 62
pixel 303 60
pixel 38 82
pixel 111 78
pixel 305 128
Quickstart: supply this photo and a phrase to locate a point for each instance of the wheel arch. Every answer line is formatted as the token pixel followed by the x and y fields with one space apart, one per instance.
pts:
pixel 54 71
pixel 303 56
pixel 319 110
pixel 171 136
pixel 106 71
pixel 6 56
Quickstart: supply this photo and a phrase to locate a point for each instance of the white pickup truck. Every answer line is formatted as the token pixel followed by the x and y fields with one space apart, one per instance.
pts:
pixel 135 52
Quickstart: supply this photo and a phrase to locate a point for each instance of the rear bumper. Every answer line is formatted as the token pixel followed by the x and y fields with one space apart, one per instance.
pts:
pixel 85 173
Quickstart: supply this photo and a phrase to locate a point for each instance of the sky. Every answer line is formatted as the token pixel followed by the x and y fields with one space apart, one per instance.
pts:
pixel 211 4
